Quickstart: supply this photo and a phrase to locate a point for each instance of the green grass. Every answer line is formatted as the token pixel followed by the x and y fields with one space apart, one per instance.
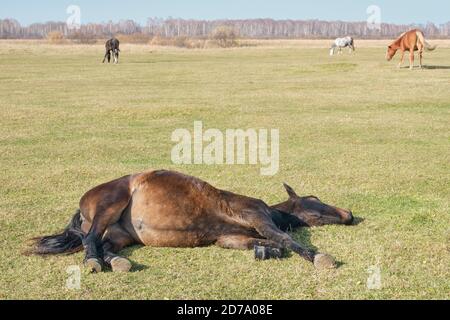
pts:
pixel 354 131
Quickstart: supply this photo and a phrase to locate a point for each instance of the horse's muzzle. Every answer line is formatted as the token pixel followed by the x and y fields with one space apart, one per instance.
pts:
pixel 347 217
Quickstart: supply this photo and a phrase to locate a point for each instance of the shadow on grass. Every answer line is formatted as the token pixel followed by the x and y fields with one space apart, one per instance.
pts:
pixel 428 67
pixel 436 67
pixel 127 253
pixel 303 237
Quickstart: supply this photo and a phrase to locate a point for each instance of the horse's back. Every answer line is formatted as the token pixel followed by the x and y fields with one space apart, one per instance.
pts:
pixel 166 183
pixel 112 44
pixel 170 195
pixel 342 42
pixel 408 40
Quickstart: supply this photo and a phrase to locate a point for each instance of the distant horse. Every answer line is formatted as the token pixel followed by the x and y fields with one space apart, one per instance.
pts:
pixel 340 43
pixel 112 49
pixel 411 41
pixel 169 209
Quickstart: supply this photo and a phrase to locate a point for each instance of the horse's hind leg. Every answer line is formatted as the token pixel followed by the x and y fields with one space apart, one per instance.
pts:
pixel 115 239
pixel 420 57
pixel 102 207
pixel 93 240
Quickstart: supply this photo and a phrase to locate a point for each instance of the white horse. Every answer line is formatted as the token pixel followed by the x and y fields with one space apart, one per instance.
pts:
pixel 340 43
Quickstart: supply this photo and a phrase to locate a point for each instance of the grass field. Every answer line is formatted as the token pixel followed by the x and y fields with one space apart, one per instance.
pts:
pixel 354 131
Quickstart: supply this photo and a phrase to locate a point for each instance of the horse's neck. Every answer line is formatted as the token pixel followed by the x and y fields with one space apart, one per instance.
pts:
pixel 225 202
pixel 396 44
pixel 284 206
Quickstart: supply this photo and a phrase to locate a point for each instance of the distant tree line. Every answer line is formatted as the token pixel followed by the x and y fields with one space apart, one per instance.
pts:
pixel 254 28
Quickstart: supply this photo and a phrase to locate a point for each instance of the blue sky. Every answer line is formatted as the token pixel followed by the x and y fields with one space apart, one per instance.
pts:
pixel 397 11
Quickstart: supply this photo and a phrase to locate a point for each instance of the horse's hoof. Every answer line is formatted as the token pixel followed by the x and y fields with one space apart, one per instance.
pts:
pixel 93 265
pixel 119 264
pixel 266 253
pixel 324 261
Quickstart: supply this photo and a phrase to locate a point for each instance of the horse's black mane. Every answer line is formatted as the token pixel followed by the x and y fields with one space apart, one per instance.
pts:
pixel 286 221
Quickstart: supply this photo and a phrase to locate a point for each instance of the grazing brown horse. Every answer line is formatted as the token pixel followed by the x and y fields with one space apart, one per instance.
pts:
pixel 411 41
pixel 169 209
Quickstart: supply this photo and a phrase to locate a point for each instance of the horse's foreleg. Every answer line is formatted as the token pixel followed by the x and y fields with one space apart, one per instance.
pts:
pixel 244 242
pixel 264 225
pixel 271 232
pixel 320 260
pixel 115 239
pixel 104 58
pixel 411 59
pixel 264 249
pixel 402 58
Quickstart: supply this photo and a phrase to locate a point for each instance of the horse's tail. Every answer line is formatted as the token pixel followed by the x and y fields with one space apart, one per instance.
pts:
pixel 69 241
pixel 426 45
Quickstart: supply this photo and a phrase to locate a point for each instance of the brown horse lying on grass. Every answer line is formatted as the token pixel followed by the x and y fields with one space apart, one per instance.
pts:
pixel 411 41
pixel 169 209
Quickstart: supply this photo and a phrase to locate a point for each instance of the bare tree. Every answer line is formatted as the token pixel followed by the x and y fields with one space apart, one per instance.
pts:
pixel 252 28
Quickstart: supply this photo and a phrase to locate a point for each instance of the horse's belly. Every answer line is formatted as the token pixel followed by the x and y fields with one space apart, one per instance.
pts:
pixel 170 238
pixel 168 230
pixel 156 221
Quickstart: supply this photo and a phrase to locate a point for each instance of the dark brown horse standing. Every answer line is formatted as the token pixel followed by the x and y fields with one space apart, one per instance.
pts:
pixel 112 47
pixel 169 209
pixel 411 41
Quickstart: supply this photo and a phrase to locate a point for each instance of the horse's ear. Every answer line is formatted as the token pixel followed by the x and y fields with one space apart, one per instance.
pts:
pixel 290 191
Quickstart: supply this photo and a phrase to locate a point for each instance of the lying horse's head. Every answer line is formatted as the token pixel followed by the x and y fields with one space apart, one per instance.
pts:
pixel 314 212
pixel 391 51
